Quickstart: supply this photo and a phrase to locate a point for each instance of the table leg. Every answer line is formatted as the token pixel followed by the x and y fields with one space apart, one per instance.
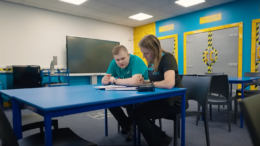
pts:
pixel 134 130
pixel 230 97
pixel 183 110
pixel 242 97
pixel 139 137
pixel 106 131
pixel 1 101
pixel 48 130
pixel 17 119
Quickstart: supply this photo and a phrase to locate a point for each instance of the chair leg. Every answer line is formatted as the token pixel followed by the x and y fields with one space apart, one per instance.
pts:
pixel 235 113
pixel 160 123
pixel 198 117
pixel 175 126
pixel 230 105
pixel 206 126
pixel 210 112
pixel 218 108
pixel 55 124
pixel 229 126
pixel 153 120
pixel 118 128
pixel 179 128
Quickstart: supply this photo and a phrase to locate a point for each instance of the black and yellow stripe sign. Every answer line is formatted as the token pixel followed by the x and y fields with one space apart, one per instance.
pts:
pixel 10 69
pixel 257 43
pixel 205 53
pixel 6 69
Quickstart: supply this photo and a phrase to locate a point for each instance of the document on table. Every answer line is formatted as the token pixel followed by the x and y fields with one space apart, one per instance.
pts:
pixel 115 87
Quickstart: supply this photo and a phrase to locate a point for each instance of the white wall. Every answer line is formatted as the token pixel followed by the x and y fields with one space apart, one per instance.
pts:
pixel 31 36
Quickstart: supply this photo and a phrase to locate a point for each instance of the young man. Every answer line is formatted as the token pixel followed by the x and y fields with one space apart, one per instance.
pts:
pixel 125 69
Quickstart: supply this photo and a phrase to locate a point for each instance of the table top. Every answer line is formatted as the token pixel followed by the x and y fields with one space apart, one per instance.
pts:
pixel 242 78
pixel 58 98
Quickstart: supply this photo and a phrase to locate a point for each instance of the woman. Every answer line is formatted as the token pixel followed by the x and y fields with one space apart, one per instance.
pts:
pixel 163 73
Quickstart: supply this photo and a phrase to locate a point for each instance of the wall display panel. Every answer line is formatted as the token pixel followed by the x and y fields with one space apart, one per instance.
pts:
pixel 170 44
pixel 217 49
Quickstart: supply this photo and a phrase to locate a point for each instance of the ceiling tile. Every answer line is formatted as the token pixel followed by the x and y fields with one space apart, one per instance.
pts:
pixel 218 2
pixel 108 1
pixel 166 15
pixel 171 7
pixel 94 4
pixel 82 10
pixel 141 8
pixel 200 6
pixel 155 12
pixel 115 18
pixel 141 1
pixel 157 3
pixel 99 14
pixel 36 5
pixel 182 12
pixel 126 4
pixel 112 9
pixel 14 1
pixel 127 13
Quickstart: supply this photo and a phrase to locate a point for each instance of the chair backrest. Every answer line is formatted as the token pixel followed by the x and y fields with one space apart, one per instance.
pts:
pixel 250 109
pixel 219 85
pixel 197 89
pixel 252 74
pixel 6 132
pixel 188 75
pixel 215 73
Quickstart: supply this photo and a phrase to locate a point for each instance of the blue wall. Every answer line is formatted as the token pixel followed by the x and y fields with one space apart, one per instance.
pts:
pixel 6 80
pixel 239 11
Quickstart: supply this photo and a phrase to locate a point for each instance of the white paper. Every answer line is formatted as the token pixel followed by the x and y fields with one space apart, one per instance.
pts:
pixel 109 86
pixel 123 89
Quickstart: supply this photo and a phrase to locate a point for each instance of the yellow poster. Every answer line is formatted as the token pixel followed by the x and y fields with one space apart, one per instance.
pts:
pixel 211 18
pixel 166 28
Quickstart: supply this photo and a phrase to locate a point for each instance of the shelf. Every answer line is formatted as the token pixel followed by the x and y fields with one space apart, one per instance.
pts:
pixel 57 73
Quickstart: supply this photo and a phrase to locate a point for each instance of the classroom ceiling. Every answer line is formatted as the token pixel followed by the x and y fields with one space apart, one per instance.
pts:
pixel 118 11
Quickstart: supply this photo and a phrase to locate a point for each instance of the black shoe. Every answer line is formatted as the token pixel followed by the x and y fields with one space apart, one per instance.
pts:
pixel 166 140
pixel 130 136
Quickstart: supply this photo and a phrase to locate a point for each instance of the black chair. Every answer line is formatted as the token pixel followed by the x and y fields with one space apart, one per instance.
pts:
pixel 61 137
pixel 247 92
pixel 217 73
pixel 181 76
pixel 197 89
pixel 219 86
pixel 250 109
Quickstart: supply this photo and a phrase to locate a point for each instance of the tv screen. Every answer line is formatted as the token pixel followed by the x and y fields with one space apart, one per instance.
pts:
pixel 86 55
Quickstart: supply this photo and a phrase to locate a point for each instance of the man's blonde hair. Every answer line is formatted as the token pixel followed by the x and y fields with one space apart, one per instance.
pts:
pixel 117 49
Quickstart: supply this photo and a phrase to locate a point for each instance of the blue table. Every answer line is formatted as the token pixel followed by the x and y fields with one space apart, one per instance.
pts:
pixel 241 80
pixel 60 101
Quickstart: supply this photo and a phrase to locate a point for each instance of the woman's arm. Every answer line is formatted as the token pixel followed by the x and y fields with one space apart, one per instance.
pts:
pixel 168 82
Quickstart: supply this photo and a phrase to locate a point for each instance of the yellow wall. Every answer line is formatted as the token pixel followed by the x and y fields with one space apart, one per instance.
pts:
pixel 139 33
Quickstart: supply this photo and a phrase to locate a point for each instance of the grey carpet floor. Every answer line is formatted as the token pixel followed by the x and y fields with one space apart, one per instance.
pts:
pixel 90 126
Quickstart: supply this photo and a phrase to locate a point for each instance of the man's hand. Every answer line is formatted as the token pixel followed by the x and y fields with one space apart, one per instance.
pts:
pixel 140 80
pixel 106 79
pixel 111 80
